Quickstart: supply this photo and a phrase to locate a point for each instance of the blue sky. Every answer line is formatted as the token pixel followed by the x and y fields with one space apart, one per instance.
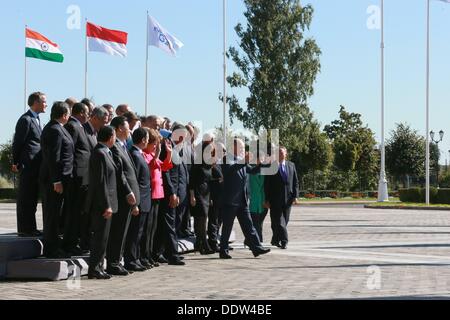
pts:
pixel 186 88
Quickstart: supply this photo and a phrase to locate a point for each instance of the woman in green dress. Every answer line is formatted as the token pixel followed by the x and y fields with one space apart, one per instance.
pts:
pixel 257 209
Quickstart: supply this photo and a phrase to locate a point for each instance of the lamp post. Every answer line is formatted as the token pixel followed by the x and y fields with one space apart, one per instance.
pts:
pixel 441 136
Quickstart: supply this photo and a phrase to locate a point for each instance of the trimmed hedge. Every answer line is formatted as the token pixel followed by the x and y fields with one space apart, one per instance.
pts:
pixel 309 194
pixel 8 194
pixel 417 195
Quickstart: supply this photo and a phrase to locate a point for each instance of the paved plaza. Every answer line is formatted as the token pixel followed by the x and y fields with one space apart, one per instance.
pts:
pixel 335 252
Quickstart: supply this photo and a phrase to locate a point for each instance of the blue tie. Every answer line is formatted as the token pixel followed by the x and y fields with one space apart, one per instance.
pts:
pixel 283 172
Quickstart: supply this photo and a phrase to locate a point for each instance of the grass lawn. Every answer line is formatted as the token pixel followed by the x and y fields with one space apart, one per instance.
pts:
pixel 7 201
pixel 342 200
pixel 407 204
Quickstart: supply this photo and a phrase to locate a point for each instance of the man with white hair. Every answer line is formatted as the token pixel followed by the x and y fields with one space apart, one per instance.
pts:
pixel 236 202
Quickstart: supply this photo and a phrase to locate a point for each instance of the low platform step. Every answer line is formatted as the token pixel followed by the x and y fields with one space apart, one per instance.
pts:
pixel 47 269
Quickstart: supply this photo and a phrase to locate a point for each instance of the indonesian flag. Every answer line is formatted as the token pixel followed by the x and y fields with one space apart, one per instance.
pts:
pixel 39 47
pixel 108 41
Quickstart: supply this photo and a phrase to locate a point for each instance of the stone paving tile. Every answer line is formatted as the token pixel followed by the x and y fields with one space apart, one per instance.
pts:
pixel 365 240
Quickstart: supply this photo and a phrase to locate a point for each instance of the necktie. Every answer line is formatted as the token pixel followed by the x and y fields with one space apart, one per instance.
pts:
pixel 39 121
pixel 283 172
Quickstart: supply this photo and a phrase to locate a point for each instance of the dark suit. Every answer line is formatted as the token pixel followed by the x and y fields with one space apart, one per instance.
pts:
pixel 85 241
pixel 91 135
pixel 236 204
pixel 137 243
pixel 214 214
pixel 26 150
pixel 127 184
pixel 280 192
pixel 175 182
pixel 79 185
pixel 57 166
pixel 102 195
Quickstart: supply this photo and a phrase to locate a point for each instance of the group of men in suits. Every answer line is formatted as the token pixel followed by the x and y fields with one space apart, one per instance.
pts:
pixel 96 188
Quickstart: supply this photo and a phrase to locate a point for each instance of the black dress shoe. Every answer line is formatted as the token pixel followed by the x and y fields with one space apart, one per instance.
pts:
pixel 161 259
pixel 75 252
pixel 98 275
pixel 146 264
pixel 176 262
pixel 275 244
pixel 225 255
pixel 283 246
pixel 259 251
pixel 135 267
pixel 117 271
pixel 153 263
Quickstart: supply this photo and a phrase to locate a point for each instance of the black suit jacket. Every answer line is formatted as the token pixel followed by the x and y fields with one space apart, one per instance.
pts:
pixel 91 135
pixel 279 193
pixel 57 153
pixel 126 172
pixel 143 179
pixel 26 145
pixel 176 180
pixel 102 192
pixel 235 183
pixel 82 150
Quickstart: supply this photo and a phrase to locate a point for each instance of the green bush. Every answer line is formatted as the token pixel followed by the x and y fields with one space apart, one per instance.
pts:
pixel 8 194
pixel 417 195
pixel 443 196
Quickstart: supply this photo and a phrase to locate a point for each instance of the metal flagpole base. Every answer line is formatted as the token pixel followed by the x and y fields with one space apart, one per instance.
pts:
pixel 383 194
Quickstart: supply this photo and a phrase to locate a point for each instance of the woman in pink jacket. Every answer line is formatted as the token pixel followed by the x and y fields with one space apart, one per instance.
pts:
pixel 157 167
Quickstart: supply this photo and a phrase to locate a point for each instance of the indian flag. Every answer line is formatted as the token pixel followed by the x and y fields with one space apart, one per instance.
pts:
pixel 39 47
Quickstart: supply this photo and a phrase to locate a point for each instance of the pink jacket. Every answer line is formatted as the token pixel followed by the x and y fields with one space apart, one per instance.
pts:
pixel 156 168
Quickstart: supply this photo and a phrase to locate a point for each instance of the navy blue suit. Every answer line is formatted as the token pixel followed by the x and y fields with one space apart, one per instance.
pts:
pixel 280 191
pixel 176 182
pixel 26 149
pixel 236 204
pixel 136 243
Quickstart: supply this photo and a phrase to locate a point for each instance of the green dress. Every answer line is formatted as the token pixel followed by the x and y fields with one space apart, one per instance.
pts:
pixel 257 197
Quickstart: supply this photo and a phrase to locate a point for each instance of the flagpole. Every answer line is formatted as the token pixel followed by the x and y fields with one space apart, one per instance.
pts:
pixel 86 64
pixel 25 80
pixel 225 73
pixel 427 160
pixel 146 72
pixel 383 194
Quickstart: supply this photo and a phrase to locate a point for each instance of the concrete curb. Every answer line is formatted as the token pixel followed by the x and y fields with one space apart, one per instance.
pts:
pixel 337 203
pixel 409 208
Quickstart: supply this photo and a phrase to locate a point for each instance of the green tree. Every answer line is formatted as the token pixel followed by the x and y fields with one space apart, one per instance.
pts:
pixel 317 156
pixel 6 160
pixel 277 64
pixel 354 149
pixel 405 153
